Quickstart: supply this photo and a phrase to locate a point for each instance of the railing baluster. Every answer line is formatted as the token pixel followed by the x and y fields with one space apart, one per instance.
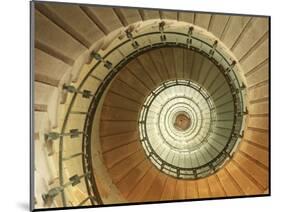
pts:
pixel 129 35
pixel 189 36
pixel 53 192
pixel 71 89
pixel 212 51
pixel 233 63
pixel 161 30
pixel 98 57
pixel 73 133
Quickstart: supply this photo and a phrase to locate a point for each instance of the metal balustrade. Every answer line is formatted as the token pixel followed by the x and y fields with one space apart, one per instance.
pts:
pixel 146 42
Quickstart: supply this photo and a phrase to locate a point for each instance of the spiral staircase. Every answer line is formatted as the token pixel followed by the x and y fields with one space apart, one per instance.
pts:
pixel 140 105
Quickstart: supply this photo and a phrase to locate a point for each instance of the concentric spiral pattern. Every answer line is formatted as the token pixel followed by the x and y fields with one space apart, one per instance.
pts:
pixel 177 128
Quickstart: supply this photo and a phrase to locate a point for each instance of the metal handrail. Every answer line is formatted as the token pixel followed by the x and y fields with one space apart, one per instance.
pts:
pixel 92 189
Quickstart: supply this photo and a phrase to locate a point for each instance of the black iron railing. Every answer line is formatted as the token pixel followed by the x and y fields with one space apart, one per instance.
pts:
pixel 94 99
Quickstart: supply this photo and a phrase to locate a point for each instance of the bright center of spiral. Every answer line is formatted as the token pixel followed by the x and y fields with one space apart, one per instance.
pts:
pixel 182 122
pixel 181 131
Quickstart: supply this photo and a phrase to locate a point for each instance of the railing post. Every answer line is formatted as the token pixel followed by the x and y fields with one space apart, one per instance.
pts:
pixel 233 63
pixel 98 57
pixel 195 173
pixel 73 133
pixel 189 35
pixel 53 192
pixel 212 51
pixel 238 135
pixel 178 173
pixel 129 35
pixel 71 89
pixel 161 30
